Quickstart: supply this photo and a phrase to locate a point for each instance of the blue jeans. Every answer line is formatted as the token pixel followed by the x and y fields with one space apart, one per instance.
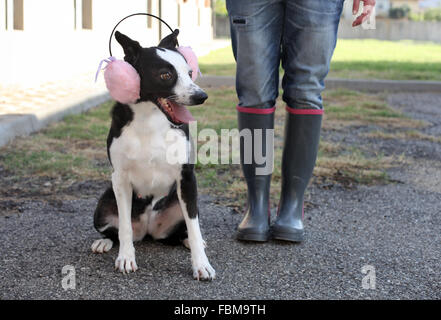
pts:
pixel 300 33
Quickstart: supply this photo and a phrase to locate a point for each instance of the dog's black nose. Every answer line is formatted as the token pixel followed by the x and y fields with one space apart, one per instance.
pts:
pixel 199 97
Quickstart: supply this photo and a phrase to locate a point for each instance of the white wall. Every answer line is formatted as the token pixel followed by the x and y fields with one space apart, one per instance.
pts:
pixel 50 49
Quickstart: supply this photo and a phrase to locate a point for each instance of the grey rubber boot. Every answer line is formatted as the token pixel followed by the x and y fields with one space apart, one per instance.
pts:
pixel 255 225
pixel 302 135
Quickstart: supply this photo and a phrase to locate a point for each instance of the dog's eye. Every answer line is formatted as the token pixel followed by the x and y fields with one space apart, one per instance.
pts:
pixel 166 76
pixel 190 73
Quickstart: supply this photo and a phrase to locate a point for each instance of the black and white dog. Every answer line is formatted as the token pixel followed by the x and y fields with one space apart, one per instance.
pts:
pixel 151 196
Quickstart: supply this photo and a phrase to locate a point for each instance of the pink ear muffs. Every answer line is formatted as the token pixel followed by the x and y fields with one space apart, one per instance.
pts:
pixel 123 82
pixel 191 59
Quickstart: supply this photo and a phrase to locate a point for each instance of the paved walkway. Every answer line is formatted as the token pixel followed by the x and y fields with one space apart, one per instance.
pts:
pixel 393 229
pixel 18 99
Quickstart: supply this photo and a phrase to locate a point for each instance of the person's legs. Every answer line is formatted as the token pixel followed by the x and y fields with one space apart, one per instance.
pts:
pixel 309 39
pixel 256 34
pixel 256 31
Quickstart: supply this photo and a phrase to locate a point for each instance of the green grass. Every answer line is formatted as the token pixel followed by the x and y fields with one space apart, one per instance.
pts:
pixel 361 111
pixel 404 134
pixel 87 126
pixel 400 60
pixel 74 148
pixel 360 59
pixel 219 62
pixel 42 161
pixel 355 108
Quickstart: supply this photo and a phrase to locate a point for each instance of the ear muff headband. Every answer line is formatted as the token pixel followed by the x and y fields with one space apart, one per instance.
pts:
pixel 129 16
pixel 123 81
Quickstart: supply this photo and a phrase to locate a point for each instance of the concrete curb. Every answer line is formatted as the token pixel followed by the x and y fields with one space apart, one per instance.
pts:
pixel 14 125
pixel 352 84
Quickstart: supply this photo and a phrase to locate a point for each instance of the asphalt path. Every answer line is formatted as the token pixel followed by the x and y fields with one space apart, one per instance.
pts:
pixel 392 231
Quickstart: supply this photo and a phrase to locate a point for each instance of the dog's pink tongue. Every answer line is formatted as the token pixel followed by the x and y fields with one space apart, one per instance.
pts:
pixel 182 113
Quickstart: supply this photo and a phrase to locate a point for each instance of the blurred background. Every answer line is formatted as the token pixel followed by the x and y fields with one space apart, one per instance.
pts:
pixel 401 42
pixel 395 20
pixel 51 40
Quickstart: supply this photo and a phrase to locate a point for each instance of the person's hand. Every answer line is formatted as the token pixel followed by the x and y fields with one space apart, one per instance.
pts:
pixel 368 7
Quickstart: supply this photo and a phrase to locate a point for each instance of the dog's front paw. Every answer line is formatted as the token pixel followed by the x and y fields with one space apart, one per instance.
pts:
pixel 126 262
pixel 101 245
pixel 202 270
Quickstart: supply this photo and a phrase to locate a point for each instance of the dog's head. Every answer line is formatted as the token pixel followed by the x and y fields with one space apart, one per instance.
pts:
pixel 165 76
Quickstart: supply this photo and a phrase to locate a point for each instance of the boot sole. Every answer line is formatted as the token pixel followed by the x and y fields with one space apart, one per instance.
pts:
pixel 289 236
pixel 256 237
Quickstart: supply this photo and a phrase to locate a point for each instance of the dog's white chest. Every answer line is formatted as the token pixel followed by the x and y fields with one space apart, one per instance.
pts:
pixel 149 151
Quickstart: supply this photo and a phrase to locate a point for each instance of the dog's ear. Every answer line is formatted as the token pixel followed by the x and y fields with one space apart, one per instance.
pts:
pixel 170 41
pixel 131 47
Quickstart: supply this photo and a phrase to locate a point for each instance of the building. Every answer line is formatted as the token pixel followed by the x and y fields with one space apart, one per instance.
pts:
pixel 46 40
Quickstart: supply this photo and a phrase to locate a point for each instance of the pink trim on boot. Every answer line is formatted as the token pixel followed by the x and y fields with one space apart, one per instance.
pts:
pixel 256 110
pixel 305 111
